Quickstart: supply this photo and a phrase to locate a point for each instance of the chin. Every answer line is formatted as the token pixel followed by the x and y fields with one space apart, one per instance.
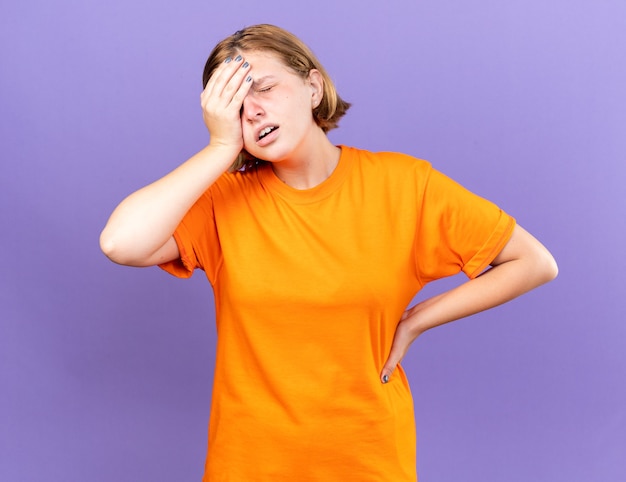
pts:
pixel 269 153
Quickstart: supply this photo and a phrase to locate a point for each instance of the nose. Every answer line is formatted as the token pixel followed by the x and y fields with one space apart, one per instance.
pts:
pixel 251 108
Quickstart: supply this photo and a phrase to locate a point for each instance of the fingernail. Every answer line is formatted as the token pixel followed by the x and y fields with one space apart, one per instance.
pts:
pixel 238 58
pixel 385 378
pixel 245 65
pixel 228 59
pixel 249 79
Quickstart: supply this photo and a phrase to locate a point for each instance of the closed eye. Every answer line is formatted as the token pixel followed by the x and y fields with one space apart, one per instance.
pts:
pixel 265 89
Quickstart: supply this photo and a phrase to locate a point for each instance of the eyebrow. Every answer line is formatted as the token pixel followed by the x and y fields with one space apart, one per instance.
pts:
pixel 260 80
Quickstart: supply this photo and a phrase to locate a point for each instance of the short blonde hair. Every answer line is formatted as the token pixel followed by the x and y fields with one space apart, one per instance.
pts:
pixel 294 54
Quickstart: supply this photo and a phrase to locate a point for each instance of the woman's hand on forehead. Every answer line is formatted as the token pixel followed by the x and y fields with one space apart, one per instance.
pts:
pixel 222 101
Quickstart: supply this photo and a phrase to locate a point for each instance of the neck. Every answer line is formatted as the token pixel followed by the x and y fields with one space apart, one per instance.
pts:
pixel 311 169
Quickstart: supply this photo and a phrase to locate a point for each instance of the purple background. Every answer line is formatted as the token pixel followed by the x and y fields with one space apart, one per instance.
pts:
pixel 105 371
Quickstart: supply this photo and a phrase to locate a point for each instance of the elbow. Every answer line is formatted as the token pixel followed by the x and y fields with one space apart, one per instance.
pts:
pixel 554 268
pixel 111 249
pixel 123 248
pixel 107 245
pixel 542 267
pixel 546 267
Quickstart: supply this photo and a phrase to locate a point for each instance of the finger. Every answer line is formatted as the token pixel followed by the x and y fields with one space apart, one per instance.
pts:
pixel 227 85
pixel 395 356
pixel 242 91
pixel 235 84
pixel 215 76
pixel 401 342
pixel 221 76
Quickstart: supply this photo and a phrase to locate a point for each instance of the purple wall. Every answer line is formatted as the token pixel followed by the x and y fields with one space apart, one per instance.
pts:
pixel 105 371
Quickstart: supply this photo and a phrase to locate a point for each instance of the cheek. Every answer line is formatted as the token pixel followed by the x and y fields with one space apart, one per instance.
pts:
pixel 247 129
pixel 249 139
pixel 248 134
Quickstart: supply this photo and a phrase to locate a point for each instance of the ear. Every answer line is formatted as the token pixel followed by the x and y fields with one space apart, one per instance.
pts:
pixel 316 81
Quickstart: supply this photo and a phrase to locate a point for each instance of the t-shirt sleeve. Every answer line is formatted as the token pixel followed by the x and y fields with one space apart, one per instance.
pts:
pixel 457 230
pixel 197 240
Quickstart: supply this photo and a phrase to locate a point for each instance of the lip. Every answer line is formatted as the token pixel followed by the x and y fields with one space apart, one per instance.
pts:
pixel 268 138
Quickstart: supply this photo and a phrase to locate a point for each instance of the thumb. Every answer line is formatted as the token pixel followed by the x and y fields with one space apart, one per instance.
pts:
pixel 401 342
pixel 395 356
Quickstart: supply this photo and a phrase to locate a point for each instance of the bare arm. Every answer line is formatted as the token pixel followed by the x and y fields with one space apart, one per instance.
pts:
pixel 523 264
pixel 139 231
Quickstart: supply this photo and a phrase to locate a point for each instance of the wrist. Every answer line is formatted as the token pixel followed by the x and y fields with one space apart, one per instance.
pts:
pixel 417 320
pixel 221 154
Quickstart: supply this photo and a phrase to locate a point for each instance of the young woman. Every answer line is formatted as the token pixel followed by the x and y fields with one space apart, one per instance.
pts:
pixel 314 252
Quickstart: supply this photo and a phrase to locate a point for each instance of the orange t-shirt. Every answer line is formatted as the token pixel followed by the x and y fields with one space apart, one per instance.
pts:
pixel 309 286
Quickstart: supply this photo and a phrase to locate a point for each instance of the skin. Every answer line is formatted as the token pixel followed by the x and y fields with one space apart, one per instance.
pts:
pixel 522 265
pixel 243 96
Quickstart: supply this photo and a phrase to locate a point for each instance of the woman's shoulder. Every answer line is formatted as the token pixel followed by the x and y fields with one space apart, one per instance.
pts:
pixel 388 160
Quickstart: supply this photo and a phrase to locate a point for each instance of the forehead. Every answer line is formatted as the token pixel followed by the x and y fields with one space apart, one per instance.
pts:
pixel 266 64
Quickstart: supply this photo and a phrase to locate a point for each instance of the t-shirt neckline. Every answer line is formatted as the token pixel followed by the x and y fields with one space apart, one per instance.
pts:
pixel 304 196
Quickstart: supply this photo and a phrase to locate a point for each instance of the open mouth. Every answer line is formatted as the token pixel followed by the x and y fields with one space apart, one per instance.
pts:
pixel 266 131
